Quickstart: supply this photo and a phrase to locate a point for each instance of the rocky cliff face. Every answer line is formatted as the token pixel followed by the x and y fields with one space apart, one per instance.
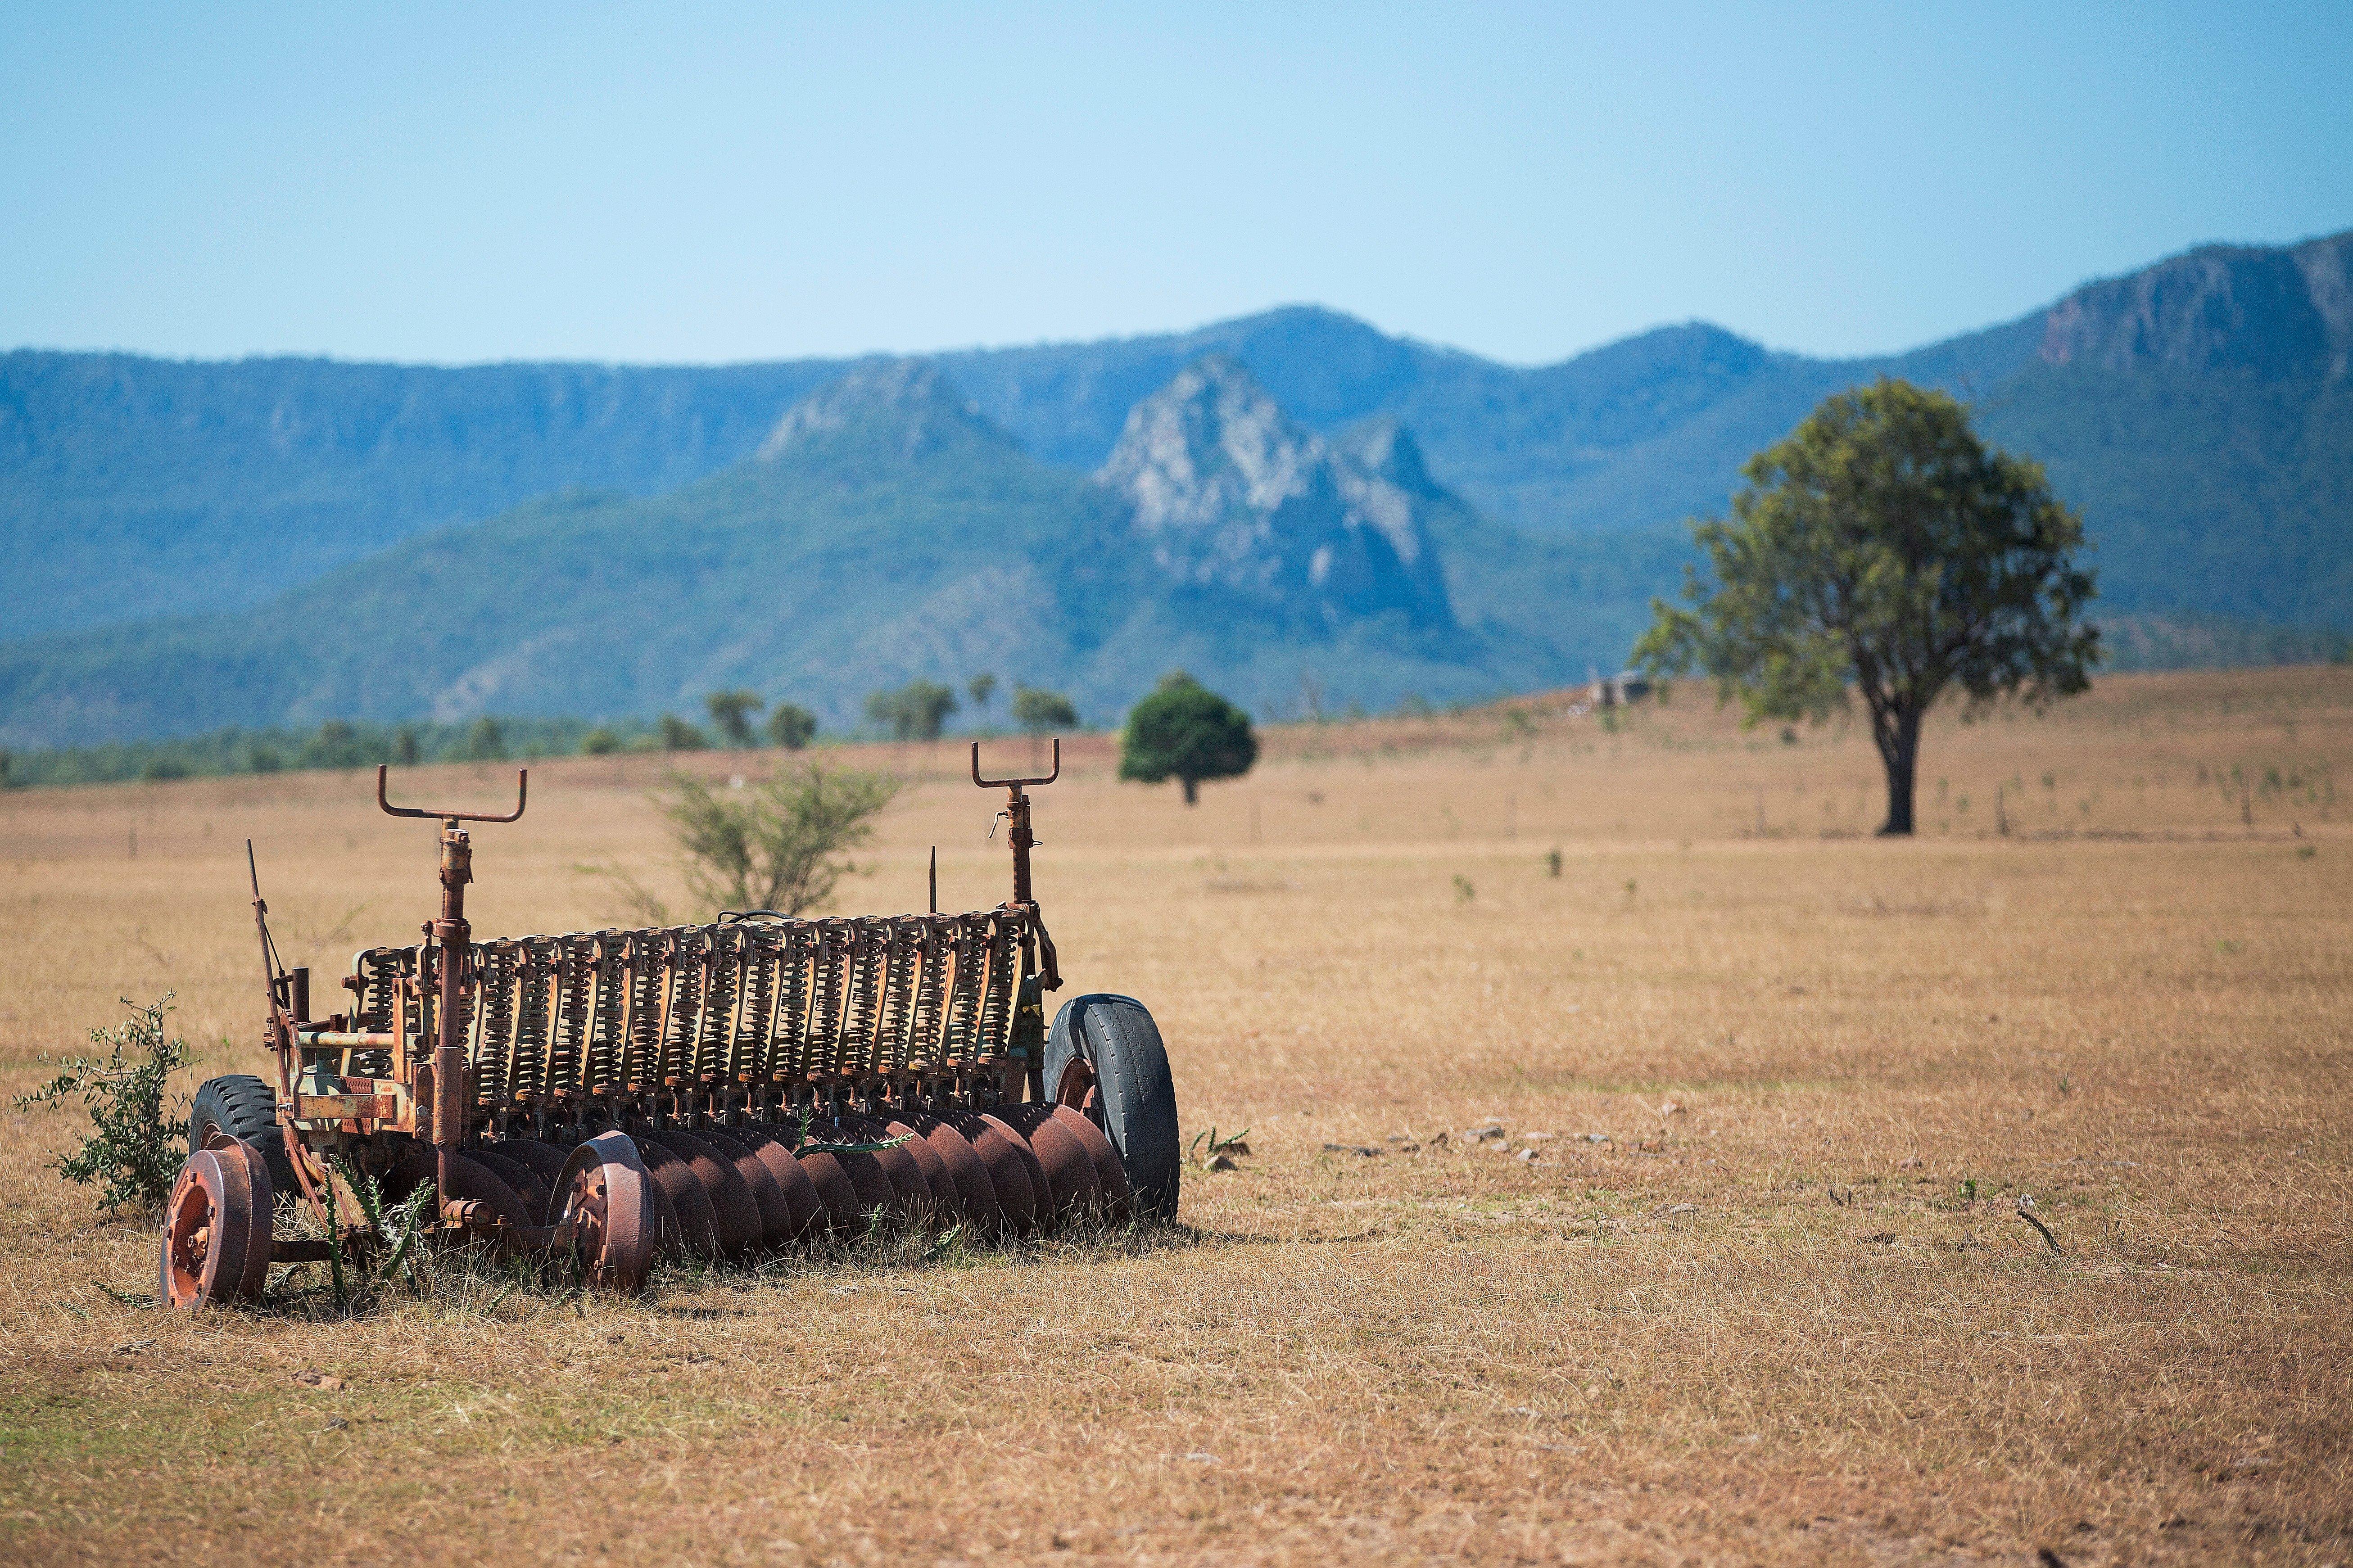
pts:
pixel 1231 496
pixel 2273 312
pixel 921 408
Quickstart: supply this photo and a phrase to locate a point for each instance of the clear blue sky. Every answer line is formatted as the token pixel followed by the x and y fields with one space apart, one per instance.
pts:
pixel 682 183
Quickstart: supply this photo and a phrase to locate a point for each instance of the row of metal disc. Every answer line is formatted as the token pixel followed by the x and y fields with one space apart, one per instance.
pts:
pixel 724 1191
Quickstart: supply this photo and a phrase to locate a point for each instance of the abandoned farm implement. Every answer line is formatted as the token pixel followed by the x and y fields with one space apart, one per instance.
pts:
pixel 615 1095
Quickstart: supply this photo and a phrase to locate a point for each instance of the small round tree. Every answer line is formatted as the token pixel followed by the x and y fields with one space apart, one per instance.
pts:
pixel 915 711
pixel 1186 732
pixel 791 726
pixel 731 711
pixel 1881 549
pixel 1040 711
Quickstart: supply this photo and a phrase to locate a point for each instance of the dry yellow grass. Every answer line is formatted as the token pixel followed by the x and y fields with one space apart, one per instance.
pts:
pixel 1763 1320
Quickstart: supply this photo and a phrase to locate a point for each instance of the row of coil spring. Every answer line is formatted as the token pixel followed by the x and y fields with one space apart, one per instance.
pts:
pixel 770 1001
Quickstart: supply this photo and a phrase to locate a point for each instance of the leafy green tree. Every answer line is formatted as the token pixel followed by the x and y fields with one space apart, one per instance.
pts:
pixel 731 712
pixel 1186 732
pixel 915 711
pixel 779 845
pixel 980 688
pixel 485 741
pixel 1040 712
pixel 336 745
pixel 599 742
pixel 1883 549
pixel 678 735
pixel 791 726
pixel 405 747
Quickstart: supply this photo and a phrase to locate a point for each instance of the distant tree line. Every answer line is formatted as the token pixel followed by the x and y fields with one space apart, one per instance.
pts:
pixel 1180 731
pixel 337 744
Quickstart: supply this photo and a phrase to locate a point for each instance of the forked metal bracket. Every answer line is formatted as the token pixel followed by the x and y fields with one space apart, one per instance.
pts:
pixel 522 789
pixel 1016 783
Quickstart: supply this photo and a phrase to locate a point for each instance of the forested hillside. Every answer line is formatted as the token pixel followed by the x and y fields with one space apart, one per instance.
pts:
pixel 538 539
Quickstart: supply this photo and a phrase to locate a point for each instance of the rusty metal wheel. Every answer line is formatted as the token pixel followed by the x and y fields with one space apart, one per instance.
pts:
pixel 216 1244
pixel 604 1191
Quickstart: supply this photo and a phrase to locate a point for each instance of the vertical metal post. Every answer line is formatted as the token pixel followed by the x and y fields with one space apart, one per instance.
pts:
pixel 1017 818
pixel 452 936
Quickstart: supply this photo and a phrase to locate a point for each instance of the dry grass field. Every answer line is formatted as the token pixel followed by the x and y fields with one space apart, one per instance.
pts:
pixel 1743 1282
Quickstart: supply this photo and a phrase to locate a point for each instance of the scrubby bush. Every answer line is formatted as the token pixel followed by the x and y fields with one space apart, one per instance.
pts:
pixel 138 1137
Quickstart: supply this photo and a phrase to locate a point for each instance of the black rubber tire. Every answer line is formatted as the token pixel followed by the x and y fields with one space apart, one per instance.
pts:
pixel 1135 1101
pixel 244 1107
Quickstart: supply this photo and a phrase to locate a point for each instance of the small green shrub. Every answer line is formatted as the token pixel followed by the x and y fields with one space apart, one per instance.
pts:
pixel 138 1140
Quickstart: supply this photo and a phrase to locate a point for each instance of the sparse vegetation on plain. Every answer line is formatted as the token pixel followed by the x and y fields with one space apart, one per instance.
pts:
pixel 1673 1206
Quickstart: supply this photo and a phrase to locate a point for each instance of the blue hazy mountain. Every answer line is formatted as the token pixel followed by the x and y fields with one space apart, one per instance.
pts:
pixel 882 530
pixel 2199 412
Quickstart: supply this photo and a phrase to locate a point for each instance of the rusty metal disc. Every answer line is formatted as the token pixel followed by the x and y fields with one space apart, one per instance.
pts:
pixel 690 1203
pixel 604 1191
pixel 470 1181
pixel 910 1194
pixel 731 1201
pixel 946 1203
pixel 1119 1202
pixel 837 1185
pixel 1028 1201
pixel 1070 1176
pixel 520 1179
pixel 776 1215
pixel 1007 1168
pixel 543 1160
pixel 792 1178
pixel 216 1243
pixel 669 1235
pixel 975 1193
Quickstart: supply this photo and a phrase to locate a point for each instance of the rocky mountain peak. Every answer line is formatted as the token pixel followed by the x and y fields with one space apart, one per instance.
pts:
pixel 1231 494
pixel 1387 450
pixel 2271 311
pixel 912 395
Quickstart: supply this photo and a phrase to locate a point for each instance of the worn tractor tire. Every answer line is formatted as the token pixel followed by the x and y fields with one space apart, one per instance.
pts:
pixel 1133 1099
pixel 245 1108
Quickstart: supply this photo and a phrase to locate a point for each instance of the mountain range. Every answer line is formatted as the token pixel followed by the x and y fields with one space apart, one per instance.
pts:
pixel 1290 501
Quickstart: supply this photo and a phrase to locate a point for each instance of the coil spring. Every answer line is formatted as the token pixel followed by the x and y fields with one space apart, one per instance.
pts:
pixel 964 989
pixel 757 1006
pixel 569 1012
pixel 1004 964
pixel 859 1016
pixel 827 985
pixel 898 993
pixel 495 972
pixel 788 1053
pixel 679 1018
pixel 721 959
pixel 601 1072
pixel 931 949
pixel 531 1034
